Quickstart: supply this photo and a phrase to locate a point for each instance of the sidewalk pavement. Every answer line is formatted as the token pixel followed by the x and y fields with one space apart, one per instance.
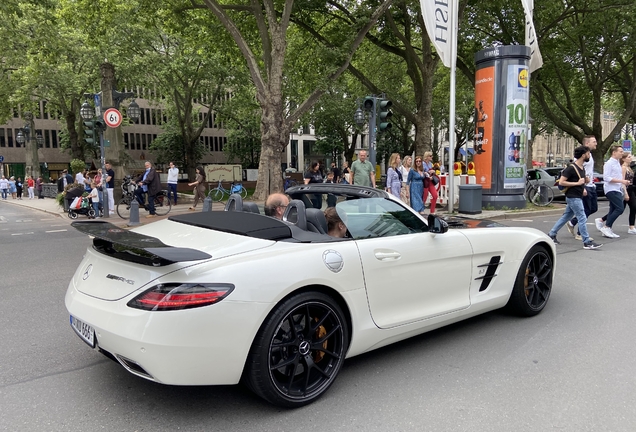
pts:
pixel 48 205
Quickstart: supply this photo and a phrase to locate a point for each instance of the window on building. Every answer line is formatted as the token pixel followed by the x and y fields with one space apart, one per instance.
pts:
pixel 2 140
pixel 142 120
pixel 143 141
pixel 148 119
pixel 47 138
pixel 138 141
pixel 216 144
pixel 54 139
pixel 223 142
pixel 126 145
pixel 9 138
pixel 45 110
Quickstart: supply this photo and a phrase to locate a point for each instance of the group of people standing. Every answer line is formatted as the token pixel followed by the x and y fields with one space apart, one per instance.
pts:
pixel 412 183
pixel 15 188
pixel 581 197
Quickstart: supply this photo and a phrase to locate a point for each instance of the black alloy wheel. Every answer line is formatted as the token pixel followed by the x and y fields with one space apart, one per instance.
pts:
pixel 299 351
pixel 534 283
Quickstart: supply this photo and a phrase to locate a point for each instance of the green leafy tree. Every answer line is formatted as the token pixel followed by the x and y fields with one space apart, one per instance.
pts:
pixel 260 30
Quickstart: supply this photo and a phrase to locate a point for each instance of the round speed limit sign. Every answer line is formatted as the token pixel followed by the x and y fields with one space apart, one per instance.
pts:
pixel 112 117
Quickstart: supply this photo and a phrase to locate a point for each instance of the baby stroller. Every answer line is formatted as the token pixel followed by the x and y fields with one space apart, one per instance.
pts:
pixel 81 206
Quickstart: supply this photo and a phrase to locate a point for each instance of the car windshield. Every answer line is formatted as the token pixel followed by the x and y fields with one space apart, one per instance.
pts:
pixel 378 217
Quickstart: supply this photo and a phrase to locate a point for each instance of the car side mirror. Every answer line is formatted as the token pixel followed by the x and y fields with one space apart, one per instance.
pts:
pixel 436 225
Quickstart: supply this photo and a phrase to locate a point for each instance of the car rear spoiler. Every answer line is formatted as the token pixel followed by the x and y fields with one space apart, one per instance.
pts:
pixel 134 247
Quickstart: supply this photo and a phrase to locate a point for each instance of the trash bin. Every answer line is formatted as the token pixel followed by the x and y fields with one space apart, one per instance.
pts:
pixel 470 199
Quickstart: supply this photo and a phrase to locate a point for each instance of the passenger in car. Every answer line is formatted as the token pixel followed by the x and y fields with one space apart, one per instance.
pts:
pixel 335 225
pixel 275 205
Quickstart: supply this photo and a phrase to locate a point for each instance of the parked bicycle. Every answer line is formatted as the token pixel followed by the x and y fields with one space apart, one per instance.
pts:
pixel 539 194
pixel 218 193
pixel 128 187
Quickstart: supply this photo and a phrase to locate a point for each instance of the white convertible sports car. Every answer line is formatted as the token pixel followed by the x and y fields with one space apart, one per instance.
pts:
pixel 219 297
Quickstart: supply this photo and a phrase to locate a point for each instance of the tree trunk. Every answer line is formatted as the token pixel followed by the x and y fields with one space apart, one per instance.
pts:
pixel 71 127
pixel 273 141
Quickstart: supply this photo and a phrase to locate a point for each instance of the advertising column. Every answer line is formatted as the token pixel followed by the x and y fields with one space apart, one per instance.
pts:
pixel 501 106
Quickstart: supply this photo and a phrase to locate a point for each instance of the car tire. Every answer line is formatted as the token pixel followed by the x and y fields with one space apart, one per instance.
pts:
pixel 298 350
pixel 533 284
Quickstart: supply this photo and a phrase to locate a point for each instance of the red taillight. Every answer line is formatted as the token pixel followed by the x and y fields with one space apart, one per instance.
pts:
pixel 176 296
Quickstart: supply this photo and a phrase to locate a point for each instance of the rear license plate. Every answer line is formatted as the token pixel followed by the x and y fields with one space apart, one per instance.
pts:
pixel 84 331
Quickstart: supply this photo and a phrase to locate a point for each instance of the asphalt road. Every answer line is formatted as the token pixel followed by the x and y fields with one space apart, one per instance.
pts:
pixel 569 369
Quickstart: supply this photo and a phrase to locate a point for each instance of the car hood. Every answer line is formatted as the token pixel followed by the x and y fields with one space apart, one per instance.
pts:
pixel 153 250
pixel 465 222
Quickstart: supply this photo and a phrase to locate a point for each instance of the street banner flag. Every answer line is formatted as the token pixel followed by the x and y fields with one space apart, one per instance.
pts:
pixel 536 61
pixel 440 17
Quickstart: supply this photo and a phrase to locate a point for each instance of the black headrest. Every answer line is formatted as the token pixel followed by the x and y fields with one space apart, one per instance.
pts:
pixel 295 214
pixel 316 221
pixel 249 206
pixel 234 203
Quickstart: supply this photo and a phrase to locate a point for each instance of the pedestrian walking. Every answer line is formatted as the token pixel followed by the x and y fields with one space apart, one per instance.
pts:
pixel 173 178
pixel 18 186
pixel 30 187
pixel 199 187
pixel 404 189
pixel 362 172
pixel 38 186
pixel 573 179
pixel 4 187
pixel 94 197
pixel 415 181
pixel 429 184
pixel 394 175
pixel 109 182
pixel 12 189
pixel 630 191
pixel 613 182
pixel 590 200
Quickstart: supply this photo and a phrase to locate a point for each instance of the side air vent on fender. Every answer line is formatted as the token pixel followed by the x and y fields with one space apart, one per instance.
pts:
pixel 491 268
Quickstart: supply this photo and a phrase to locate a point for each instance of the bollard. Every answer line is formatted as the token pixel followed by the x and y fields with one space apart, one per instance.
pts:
pixel 207 204
pixel 134 213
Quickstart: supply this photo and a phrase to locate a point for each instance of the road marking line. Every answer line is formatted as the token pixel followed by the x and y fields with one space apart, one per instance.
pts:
pixel 52 231
pixel 17 234
pixel 522 220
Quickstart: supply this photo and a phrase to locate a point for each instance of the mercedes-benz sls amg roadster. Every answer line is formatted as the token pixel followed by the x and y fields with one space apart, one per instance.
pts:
pixel 221 297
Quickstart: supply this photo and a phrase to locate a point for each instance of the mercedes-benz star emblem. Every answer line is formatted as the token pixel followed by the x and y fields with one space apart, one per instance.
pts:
pixel 87 272
pixel 303 348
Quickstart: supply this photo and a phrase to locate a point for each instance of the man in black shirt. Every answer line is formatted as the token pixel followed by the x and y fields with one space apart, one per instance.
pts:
pixel 573 179
pixel 336 172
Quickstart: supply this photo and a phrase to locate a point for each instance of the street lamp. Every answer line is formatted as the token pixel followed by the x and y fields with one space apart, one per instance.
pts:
pixel 359 117
pixel 24 136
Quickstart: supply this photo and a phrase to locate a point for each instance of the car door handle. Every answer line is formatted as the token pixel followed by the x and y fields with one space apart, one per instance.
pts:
pixel 387 255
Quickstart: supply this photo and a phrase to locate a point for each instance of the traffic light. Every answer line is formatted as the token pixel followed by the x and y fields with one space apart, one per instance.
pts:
pixel 384 114
pixel 90 132
pixel 369 103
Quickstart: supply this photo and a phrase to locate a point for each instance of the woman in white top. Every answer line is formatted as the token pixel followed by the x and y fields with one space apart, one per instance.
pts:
pixel 404 169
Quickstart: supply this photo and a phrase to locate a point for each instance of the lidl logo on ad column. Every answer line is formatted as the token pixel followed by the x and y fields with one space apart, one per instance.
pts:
pixel 522 80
